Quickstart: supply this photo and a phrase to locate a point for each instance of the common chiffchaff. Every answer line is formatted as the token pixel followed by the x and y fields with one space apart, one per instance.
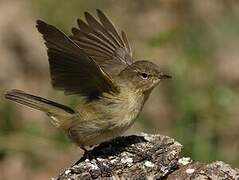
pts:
pixel 94 62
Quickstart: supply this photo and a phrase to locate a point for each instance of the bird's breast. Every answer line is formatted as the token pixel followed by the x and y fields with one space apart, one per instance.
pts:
pixel 106 118
pixel 125 108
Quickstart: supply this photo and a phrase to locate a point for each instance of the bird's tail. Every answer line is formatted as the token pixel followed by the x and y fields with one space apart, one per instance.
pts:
pixel 55 110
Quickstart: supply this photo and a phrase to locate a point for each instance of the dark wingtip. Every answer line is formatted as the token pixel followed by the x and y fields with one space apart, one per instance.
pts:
pixel 40 25
pixel 74 30
pixel 11 92
pixel 87 14
pixel 78 21
pixel 99 11
pixel 6 94
pixel 38 21
pixel 101 14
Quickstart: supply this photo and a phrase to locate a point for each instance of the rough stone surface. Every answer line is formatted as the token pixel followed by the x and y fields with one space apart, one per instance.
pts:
pixel 215 171
pixel 142 157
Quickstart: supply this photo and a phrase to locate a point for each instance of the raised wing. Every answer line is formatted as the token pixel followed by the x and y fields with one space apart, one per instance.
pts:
pixel 71 69
pixel 101 41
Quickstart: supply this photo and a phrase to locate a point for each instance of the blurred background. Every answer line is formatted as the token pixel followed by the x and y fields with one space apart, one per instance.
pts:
pixel 197 42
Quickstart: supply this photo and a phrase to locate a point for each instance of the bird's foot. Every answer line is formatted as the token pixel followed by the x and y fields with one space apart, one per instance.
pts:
pixel 105 170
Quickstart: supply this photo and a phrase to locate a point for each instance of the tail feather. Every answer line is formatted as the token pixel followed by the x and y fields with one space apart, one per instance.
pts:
pixel 37 102
pixel 60 115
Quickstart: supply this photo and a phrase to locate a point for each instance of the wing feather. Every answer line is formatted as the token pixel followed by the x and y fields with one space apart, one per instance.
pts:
pixel 72 70
pixel 101 41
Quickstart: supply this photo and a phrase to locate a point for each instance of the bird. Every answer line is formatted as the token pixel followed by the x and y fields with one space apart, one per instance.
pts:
pixel 96 63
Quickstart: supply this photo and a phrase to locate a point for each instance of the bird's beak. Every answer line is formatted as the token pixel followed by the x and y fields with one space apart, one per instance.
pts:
pixel 164 76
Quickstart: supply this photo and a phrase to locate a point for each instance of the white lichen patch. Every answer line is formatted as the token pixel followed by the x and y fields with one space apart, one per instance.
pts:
pixel 127 160
pixel 190 170
pixel 177 144
pixel 173 152
pixel 100 159
pixel 149 164
pixel 94 167
pixel 67 171
pixel 113 161
pixel 164 170
pixel 184 160
pixel 111 157
pixel 123 154
pixel 149 138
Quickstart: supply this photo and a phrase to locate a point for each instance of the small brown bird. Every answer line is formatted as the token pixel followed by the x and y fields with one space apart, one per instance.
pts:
pixel 96 63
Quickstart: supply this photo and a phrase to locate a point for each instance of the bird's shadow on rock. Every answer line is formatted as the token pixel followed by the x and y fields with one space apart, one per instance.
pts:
pixel 112 147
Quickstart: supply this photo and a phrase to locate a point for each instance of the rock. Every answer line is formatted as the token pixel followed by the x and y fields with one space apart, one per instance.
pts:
pixel 146 157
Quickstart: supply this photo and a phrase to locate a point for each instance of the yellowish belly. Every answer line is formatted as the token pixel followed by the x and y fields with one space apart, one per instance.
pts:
pixel 104 123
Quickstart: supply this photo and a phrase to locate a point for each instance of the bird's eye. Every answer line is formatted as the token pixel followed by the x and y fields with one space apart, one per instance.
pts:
pixel 144 75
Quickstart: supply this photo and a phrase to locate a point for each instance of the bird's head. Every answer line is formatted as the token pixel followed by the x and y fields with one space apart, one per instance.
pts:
pixel 143 75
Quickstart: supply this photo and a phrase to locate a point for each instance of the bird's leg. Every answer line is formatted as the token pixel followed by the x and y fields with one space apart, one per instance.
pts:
pixel 105 170
pixel 88 154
